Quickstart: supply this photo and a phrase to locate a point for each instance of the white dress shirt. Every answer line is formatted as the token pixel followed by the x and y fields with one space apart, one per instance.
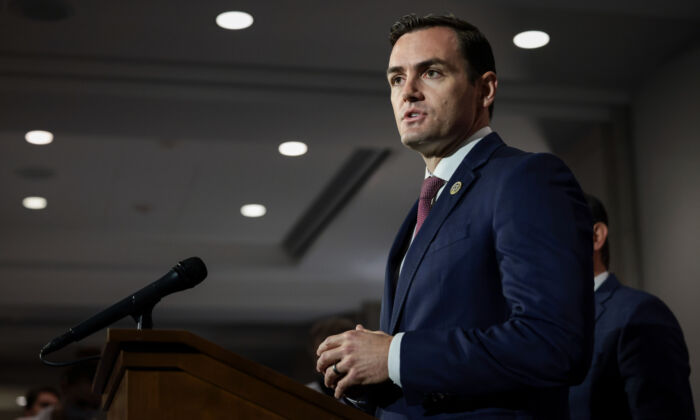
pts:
pixel 444 170
pixel 599 280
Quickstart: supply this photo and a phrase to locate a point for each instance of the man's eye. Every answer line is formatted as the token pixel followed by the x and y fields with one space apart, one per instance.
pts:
pixel 432 74
pixel 396 81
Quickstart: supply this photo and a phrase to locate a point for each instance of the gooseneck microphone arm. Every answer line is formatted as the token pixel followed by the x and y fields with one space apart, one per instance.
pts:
pixel 186 274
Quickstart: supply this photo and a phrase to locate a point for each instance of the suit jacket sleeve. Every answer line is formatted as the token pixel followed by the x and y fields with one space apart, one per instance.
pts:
pixel 653 363
pixel 542 234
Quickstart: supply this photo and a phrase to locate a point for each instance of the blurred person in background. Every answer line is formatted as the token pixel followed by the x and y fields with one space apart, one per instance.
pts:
pixel 38 399
pixel 77 400
pixel 640 363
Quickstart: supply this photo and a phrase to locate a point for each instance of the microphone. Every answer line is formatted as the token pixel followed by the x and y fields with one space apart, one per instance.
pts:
pixel 186 274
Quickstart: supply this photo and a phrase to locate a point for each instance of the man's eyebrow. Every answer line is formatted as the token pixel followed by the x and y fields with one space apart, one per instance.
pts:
pixel 394 69
pixel 421 65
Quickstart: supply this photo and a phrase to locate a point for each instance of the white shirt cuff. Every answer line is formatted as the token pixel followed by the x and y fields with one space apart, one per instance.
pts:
pixel 395 359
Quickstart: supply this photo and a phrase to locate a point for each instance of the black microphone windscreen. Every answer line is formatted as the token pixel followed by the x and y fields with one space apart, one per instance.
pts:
pixel 194 269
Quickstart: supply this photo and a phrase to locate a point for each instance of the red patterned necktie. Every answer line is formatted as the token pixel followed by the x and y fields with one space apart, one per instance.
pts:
pixel 428 191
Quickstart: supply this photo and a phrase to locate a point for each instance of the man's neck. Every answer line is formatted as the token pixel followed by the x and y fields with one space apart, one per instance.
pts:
pixel 431 162
pixel 598 266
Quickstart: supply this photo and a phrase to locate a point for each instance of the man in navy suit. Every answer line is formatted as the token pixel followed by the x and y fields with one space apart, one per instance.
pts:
pixel 487 309
pixel 640 362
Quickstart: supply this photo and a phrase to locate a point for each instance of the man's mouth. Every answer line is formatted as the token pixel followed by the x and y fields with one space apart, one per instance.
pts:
pixel 412 116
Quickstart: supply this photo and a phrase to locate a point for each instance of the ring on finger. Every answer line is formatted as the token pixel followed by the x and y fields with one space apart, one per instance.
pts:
pixel 335 369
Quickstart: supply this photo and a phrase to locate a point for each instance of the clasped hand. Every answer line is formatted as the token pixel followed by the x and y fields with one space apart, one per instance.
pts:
pixel 360 357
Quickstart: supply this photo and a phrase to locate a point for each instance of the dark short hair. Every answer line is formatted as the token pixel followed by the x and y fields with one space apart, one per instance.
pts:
pixel 474 45
pixel 600 216
pixel 33 394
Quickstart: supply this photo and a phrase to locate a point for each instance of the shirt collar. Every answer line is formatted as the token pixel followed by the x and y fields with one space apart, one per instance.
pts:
pixel 449 164
pixel 599 280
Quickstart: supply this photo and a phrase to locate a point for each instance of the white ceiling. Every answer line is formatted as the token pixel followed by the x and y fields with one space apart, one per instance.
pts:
pixel 165 125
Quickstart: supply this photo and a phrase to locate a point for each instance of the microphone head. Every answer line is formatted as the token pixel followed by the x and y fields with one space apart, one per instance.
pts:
pixel 193 269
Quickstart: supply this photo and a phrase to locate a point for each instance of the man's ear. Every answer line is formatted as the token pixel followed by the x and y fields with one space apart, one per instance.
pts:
pixel 489 85
pixel 600 234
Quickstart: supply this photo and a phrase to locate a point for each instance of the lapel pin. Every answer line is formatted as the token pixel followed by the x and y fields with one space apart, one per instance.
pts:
pixel 455 187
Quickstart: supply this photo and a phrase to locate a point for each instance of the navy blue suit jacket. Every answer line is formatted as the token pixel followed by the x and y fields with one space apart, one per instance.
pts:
pixel 495 293
pixel 640 362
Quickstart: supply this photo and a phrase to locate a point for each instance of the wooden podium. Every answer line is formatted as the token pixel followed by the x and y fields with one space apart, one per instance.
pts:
pixel 166 374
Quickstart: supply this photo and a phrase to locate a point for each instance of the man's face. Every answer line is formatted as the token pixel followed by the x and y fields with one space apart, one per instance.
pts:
pixel 43 400
pixel 435 106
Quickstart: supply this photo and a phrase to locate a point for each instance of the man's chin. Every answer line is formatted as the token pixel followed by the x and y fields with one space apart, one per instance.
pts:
pixel 414 141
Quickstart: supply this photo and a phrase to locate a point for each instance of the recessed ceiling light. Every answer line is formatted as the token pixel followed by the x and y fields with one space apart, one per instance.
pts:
pixel 39 137
pixel 253 210
pixel 34 203
pixel 234 20
pixel 293 148
pixel 531 39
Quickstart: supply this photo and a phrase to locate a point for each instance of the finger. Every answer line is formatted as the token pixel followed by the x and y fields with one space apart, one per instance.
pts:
pixel 344 383
pixel 329 343
pixel 328 379
pixel 331 376
pixel 327 358
pixel 359 327
pixel 324 360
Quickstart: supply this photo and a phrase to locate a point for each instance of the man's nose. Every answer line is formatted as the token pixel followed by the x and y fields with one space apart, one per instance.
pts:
pixel 411 90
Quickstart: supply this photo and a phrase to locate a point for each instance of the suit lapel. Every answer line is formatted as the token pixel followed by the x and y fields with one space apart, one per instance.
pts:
pixel 604 293
pixel 398 250
pixel 465 174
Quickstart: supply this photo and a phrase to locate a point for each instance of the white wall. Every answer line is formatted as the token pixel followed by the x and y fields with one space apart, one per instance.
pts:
pixel 666 123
